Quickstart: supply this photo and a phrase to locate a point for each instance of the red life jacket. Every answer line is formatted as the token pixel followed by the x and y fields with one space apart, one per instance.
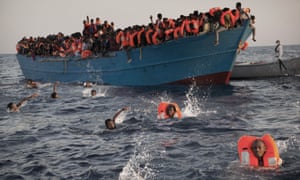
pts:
pixel 271 157
pixel 162 110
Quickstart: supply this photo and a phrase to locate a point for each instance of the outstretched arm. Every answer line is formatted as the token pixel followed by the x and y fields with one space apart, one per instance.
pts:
pixel 26 99
pixel 54 86
pixel 119 112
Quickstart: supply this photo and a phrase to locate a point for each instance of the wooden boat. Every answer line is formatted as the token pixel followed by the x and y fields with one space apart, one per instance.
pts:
pixel 187 60
pixel 265 69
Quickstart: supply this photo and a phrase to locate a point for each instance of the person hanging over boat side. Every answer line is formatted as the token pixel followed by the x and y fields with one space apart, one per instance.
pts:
pixel 278 55
pixel 12 107
pixel 226 21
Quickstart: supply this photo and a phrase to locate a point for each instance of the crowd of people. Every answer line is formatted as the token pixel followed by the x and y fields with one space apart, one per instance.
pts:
pixel 97 38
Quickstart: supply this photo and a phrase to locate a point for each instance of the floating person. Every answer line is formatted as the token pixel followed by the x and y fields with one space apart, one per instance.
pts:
pixel 111 123
pixel 168 110
pixel 258 151
pixel 12 107
pixel 54 94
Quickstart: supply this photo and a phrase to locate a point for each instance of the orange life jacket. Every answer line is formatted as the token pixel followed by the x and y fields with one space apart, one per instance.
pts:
pixel 162 110
pixel 155 38
pixel 245 45
pixel 271 157
pixel 139 36
pixel 118 37
pixel 131 39
pixel 213 10
pixel 148 37
pixel 176 32
pixel 232 19
pixel 86 54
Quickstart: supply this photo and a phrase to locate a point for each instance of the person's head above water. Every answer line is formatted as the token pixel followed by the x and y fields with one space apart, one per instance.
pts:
pixel 110 124
pixel 259 148
pixel 171 110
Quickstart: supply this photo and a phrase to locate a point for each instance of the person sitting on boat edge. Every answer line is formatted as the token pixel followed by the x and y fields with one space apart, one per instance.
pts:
pixel 168 110
pixel 12 107
pixel 259 152
pixel 54 94
pixel 111 123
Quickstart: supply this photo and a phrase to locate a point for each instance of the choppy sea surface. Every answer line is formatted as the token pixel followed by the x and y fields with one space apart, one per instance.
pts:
pixel 66 138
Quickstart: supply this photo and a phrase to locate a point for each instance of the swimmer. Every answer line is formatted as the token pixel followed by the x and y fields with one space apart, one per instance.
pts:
pixel 31 84
pixel 111 123
pixel 12 107
pixel 93 92
pixel 54 94
pixel 87 84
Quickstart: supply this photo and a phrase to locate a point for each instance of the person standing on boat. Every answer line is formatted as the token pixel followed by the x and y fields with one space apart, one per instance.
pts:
pixel 278 54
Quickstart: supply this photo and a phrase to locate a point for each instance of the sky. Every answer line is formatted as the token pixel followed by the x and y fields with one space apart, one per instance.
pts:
pixel 275 19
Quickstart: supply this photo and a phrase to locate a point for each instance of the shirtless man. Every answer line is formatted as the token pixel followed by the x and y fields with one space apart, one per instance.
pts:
pixel 12 107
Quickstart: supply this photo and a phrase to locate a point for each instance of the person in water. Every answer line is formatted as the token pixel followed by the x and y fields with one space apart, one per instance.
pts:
pixel 12 107
pixel 54 94
pixel 111 123
pixel 259 149
pixel 278 54
pixel 93 92
pixel 168 110
pixel 31 84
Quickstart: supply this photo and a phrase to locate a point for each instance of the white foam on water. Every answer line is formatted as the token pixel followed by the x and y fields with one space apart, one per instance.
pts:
pixel 138 166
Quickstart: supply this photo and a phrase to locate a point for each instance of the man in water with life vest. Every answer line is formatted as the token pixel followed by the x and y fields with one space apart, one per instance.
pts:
pixel 167 110
pixel 259 152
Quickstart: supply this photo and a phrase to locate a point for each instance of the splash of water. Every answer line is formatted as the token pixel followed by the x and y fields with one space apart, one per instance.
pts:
pixel 192 105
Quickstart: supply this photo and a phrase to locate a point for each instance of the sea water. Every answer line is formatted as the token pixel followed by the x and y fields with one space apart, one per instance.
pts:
pixel 66 138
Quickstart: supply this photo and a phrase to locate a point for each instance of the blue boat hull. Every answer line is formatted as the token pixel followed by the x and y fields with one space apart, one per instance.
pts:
pixel 193 59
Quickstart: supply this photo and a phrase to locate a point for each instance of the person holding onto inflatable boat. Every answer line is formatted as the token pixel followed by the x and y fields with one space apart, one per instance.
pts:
pixel 259 151
pixel 168 110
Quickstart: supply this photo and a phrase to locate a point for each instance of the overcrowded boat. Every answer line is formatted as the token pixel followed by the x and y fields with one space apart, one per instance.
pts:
pixel 189 50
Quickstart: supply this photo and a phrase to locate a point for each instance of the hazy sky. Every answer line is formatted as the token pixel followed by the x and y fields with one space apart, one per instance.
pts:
pixel 275 19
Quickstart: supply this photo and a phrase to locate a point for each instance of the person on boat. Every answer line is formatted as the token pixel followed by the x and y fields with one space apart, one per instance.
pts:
pixel 12 107
pixel 252 22
pixel 54 94
pixel 31 84
pixel 241 15
pixel 111 123
pixel 87 84
pixel 226 21
pixel 259 151
pixel 278 55
pixel 168 110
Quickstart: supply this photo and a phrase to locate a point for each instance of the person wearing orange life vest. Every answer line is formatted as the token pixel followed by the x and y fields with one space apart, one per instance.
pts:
pixel 168 110
pixel 227 20
pixel 148 33
pixel 259 152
